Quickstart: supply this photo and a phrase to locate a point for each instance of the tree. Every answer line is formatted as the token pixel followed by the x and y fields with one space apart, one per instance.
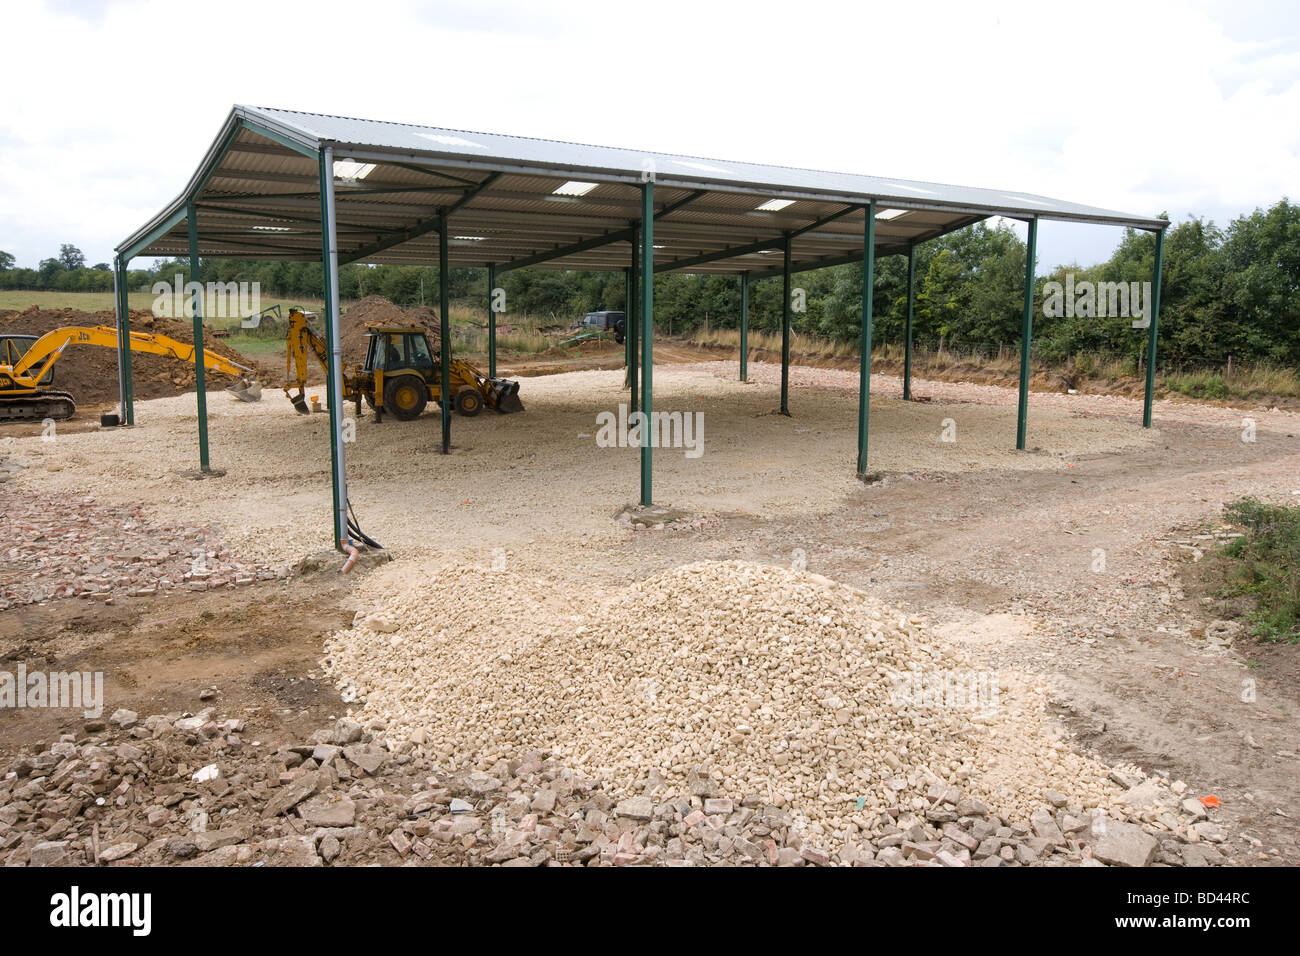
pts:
pixel 6 261
pixel 47 270
pixel 1262 283
pixel 70 257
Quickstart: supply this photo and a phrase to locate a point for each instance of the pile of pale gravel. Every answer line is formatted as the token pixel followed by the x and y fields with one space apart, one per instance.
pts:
pixel 777 683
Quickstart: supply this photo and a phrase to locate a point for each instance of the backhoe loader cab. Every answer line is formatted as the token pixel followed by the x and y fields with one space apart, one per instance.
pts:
pixel 394 350
pixel 399 375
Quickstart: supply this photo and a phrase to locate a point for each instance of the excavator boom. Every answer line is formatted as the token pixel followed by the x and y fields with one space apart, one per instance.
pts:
pixel 21 395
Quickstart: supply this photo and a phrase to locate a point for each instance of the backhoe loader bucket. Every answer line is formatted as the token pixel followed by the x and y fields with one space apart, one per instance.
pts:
pixel 246 391
pixel 299 402
pixel 506 395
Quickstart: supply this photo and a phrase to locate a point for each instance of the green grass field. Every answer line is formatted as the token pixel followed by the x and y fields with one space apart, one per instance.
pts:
pixel 141 301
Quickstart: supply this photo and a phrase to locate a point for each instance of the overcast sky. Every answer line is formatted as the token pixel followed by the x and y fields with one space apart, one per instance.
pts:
pixel 1138 106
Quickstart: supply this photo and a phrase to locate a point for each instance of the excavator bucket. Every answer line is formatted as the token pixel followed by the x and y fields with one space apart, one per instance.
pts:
pixel 246 391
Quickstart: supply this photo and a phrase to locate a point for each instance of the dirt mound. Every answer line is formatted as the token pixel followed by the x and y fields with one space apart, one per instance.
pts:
pixel 89 372
pixel 377 310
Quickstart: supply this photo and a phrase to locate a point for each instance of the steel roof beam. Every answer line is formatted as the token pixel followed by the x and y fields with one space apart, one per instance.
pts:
pixel 781 242
pixel 253 176
pixel 356 206
pixel 622 235
pixel 429 171
pixel 595 242
pixel 350 191
pixel 433 224
pixel 891 248
pixel 728 253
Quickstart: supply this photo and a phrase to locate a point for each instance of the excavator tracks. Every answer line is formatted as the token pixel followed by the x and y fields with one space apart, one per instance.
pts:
pixel 58 406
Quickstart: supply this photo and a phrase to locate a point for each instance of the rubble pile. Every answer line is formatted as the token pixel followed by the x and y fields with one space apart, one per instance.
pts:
pixel 65 545
pixel 194 789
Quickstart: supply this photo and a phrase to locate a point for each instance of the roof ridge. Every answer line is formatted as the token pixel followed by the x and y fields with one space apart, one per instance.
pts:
pixel 710 159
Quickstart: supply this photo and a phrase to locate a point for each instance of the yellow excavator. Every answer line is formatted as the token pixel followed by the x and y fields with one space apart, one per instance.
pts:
pixel 27 368
pixel 400 374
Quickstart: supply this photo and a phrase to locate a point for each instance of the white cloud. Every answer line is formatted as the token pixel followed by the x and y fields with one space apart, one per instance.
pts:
pixel 1139 107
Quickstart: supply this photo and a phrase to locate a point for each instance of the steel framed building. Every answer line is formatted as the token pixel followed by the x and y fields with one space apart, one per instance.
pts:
pixel 278 184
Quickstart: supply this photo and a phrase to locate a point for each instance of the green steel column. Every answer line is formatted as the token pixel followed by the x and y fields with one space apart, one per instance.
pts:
pixel 130 361
pixel 911 306
pixel 117 324
pixel 864 345
pixel 627 320
pixel 647 333
pixel 200 374
pixel 492 322
pixel 785 328
pixel 444 332
pixel 744 326
pixel 1026 334
pixel 1151 331
pixel 635 323
pixel 334 371
pixel 126 346
pixel 124 384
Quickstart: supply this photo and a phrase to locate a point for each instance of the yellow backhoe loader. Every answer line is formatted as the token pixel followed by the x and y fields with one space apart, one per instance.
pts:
pixel 400 374
pixel 27 368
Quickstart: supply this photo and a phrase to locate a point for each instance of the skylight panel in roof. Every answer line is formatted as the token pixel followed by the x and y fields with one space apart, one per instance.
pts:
pixel 350 170
pixel 573 187
pixel 775 205
pixel 891 213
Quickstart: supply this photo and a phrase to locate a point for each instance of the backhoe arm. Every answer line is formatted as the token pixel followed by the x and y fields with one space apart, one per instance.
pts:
pixel 298 340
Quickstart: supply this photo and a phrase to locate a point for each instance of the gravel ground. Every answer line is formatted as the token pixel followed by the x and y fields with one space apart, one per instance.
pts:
pixel 536 481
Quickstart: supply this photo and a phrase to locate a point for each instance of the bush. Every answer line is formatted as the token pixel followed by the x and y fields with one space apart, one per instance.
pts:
pixel 1265 563
pixel 1200 385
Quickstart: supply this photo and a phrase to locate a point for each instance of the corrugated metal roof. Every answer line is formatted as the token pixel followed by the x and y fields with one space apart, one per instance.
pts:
pixel 256 196
pixel 483 149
